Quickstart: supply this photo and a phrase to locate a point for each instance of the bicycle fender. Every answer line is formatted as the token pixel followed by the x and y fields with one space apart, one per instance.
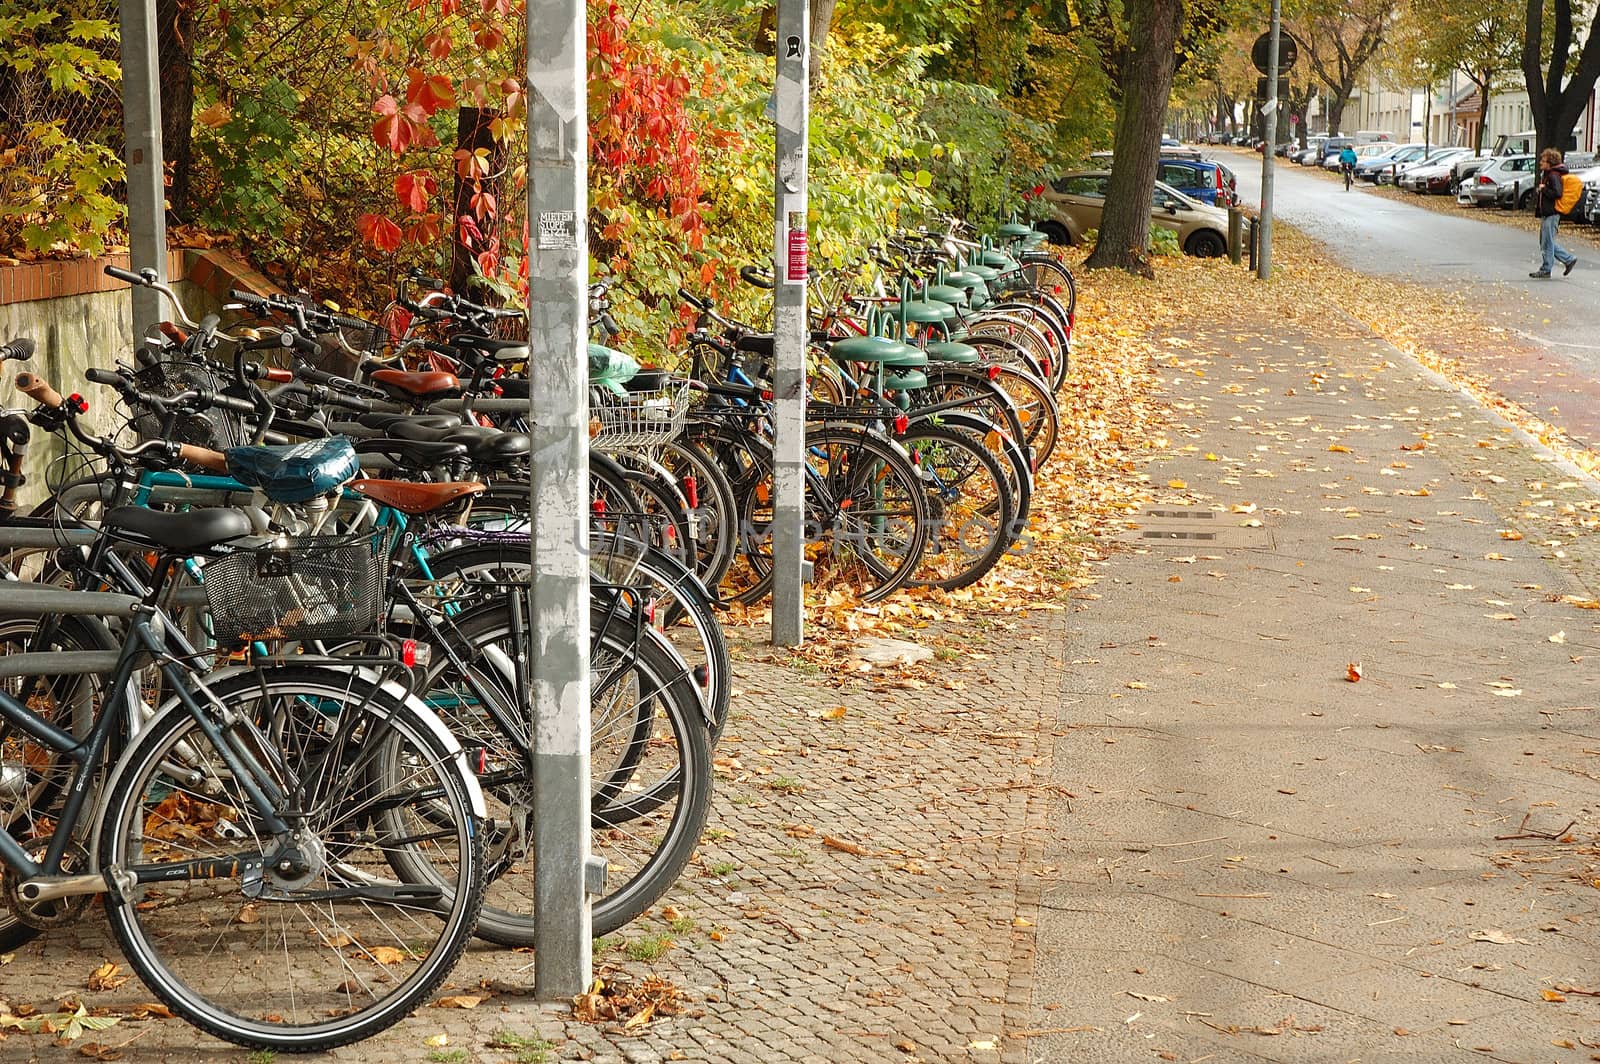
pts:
pixel 881 437
pixel 686 672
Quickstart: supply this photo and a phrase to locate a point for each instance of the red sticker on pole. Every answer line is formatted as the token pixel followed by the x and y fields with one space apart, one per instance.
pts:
pixel 796 271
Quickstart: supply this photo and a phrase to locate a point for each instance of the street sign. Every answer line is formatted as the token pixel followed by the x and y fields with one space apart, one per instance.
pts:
pixel 1283 89
pixel 1288 52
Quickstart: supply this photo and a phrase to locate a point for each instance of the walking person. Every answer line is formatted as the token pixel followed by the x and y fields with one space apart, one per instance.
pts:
pixel 1553 196
pixel 1347 164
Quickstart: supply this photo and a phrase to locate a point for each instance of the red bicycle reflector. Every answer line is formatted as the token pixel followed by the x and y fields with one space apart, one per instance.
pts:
pixel 408 653
pixel 766 395
pixel 901 423
pixel 598 506
pixel 994 372
pixel 691 491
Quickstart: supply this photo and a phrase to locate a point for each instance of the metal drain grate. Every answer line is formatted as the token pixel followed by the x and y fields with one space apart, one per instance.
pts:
pixel 1190 527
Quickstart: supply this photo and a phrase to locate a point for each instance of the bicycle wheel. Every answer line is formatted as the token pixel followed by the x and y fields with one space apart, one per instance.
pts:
pixel 1044 274
pixel 663 514
pixel 301 939
pixel 981 396
pixel 747 460
pixel 970 506
pixel 712 505
pixel 866 516
pixel 1013 457
pixel 649 754
pixel 472 574
pixel 34 776
pixel 1036 405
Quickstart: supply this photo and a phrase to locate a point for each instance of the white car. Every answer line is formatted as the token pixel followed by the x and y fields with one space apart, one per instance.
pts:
pixel 1431 174
pixel 1482 189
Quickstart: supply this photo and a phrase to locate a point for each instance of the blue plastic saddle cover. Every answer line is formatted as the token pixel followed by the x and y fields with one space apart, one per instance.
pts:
pixel 295 472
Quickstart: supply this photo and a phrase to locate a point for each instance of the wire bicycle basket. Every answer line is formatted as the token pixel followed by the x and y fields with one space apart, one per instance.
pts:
pixel 641 418
pixel 215 428
pixel 298 588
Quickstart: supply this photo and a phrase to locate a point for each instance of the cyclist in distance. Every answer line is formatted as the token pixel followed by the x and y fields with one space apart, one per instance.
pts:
pixel 1347 164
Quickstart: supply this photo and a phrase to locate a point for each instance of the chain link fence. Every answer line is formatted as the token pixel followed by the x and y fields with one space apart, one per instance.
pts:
pixel 60 126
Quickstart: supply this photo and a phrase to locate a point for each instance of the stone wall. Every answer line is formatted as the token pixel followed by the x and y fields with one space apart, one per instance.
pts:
pixel 79 317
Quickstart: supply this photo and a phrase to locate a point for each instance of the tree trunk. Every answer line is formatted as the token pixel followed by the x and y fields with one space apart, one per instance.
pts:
pixel 1336 111
pixel 472 132
pixel 1556 107
pixel 1146 87
pixel 175 31
pixel 821 22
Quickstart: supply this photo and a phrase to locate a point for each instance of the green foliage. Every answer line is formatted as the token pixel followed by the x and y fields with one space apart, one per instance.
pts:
pixel 1164 241
pixel 57 160
pixel 256 158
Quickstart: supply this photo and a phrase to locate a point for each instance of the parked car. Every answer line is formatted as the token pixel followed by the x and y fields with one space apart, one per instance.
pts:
pixel 1591 181
pixel 1482 188
pixel 1432 174
pixel 1198 179
pixel 1374 136
pixel 1516 194
pixel 1332 146
pixel 1077 199
pixel 1366 152
pixel 1401 160
pixel 1466 166
pixel 1369 168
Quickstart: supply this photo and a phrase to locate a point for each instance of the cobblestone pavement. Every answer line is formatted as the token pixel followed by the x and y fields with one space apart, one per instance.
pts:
pixel 863 892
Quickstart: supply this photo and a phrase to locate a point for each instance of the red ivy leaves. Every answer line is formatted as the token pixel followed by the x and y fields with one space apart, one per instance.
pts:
pixel 643 136
pixel 401 128
pixel 413 190
pixel 430 92
pixel 379 231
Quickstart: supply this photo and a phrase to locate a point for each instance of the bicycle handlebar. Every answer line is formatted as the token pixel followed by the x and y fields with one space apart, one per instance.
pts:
pixel 758 276
pixel 19 350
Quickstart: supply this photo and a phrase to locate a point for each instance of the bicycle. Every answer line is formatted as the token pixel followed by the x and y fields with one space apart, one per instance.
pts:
pixel 258 816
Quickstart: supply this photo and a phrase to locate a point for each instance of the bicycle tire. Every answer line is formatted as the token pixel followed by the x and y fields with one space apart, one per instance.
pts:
pixel 658 820
pixel 968 492
pixel 853 465
pixel 153 814
pixel 70 702
pixel 687 617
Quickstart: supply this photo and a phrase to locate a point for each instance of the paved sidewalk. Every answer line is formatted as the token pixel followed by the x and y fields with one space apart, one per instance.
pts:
pixel 1268 860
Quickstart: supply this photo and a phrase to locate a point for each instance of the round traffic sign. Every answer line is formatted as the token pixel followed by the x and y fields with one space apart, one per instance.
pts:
pixel 1288 52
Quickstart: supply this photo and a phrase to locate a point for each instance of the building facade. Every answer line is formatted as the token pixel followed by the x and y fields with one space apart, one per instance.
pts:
pixel 1451 117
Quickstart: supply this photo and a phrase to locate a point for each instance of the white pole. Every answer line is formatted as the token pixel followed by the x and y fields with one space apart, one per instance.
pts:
pixel 141 123
pixel 1264 248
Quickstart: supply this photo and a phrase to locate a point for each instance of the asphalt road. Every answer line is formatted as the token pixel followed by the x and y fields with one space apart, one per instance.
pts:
pixel 1556 367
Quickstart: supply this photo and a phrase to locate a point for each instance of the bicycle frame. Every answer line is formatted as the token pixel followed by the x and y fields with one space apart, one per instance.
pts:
pixel 45 880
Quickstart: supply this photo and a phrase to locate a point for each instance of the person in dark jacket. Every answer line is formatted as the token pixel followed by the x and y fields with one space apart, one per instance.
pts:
pixel 1546 192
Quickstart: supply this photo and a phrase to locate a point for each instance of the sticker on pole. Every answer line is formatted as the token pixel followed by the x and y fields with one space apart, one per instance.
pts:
pixel 558 230
pixel 795 272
